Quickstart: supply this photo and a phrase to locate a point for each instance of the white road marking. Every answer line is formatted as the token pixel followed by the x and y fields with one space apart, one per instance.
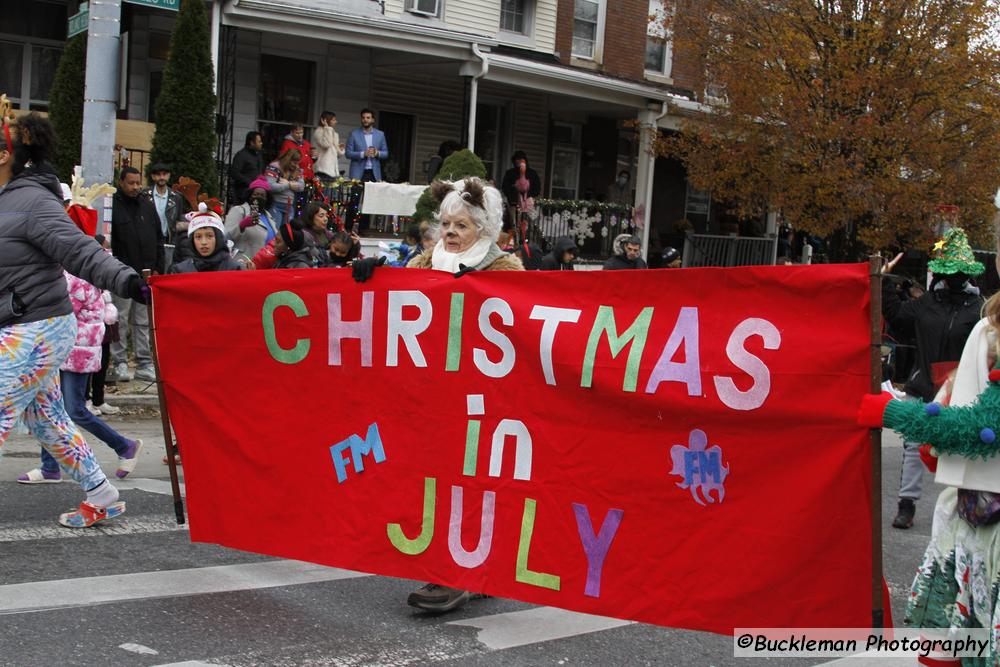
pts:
pixel 191 663
pixel 117 526
pixel 62 593
pixel 541 624
pixel 159 486
pixel 138 648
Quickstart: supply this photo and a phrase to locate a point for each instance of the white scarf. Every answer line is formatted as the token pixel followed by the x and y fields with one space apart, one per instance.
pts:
pixel 442 260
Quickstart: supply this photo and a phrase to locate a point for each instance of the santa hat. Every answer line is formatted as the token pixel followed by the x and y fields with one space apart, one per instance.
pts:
pixel 203 218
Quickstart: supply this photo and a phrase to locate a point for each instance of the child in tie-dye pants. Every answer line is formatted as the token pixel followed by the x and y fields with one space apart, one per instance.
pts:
pixel 30 357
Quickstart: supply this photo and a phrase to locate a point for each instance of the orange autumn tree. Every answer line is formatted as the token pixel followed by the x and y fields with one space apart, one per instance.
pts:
pixel 853 118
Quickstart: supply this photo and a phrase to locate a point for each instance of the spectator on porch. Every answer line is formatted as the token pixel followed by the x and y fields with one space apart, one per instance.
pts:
pixel 326 143
pixel 247 164
pixel 628 254
pixel 295 140
pixel 620 192
pixel 284 175
pixel 514 190
pixel 366 148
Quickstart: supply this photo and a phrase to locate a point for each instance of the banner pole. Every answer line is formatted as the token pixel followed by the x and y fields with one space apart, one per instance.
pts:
pixel 168 438
pixel 875 276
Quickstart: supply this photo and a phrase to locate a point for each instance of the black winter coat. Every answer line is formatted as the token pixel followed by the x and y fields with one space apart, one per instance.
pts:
pixel 136 237
pixel 942 321
pixel 246 166
pixel 553 260
pixel 509 189
pixel 618 262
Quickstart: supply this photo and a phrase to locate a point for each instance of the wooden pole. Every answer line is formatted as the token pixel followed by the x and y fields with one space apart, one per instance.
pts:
pixel 168 438
pixel 875 387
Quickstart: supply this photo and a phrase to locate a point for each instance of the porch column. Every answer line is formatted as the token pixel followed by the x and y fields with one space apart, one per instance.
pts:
pixel 644 173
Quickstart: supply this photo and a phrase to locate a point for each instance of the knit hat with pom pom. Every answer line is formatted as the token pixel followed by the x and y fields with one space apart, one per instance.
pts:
pixel 204 218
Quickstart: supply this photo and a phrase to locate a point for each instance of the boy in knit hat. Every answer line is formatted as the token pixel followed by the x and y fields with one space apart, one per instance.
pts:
pixel 211 251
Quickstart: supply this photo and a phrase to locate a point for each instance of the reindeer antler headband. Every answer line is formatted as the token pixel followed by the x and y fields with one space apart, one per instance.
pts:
pixel 7 116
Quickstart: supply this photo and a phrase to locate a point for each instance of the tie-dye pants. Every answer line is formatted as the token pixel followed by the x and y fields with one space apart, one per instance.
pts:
pixel 30 357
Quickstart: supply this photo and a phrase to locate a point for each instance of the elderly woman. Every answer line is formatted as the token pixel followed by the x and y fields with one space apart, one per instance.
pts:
pixel 37 326
pixel 469 220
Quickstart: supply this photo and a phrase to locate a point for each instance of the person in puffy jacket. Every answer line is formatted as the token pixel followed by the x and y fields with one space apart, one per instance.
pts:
pixel 37 327
pixel 90 311
pixel 211 251
pixel 249 224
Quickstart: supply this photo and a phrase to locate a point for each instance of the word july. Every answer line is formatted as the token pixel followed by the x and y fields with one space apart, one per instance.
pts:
pixel 403 335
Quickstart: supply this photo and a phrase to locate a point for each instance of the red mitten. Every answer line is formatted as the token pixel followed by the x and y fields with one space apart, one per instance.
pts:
pixel 872 408
pixel 930 461
pixel 246 222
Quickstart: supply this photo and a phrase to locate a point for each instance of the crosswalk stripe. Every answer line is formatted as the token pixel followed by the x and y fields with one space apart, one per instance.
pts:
pixel 119 526
pixel 540 624
pixel 42 595
pixel 160 486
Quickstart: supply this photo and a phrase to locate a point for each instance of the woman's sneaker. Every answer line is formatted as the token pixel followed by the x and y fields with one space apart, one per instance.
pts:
pixel 92 409
pixel 122 373
pixel 106 409
pixel 438 599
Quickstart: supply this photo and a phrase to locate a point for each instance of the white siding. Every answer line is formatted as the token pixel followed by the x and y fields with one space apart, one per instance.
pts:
pixel 529 122
pixel 545 25
pixel 438 115
pixel 245 104
pixel 348 87
pixel 478 16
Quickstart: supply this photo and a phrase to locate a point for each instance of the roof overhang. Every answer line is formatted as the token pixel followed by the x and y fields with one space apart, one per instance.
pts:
pixel 366 31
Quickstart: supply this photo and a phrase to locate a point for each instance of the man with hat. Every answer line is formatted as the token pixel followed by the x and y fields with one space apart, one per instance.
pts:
pixel 941 320
pixel 169 207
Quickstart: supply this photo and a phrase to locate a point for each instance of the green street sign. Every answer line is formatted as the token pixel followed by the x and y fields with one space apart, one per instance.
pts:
pixel 78 22
pixel 162 4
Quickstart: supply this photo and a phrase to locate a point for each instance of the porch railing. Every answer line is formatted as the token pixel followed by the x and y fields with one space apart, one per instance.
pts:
pixel 711 250
pixel 592 225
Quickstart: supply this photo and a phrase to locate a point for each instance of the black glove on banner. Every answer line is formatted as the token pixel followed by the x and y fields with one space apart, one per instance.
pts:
pixel 362 269
pixel 463 269
pixel 138 290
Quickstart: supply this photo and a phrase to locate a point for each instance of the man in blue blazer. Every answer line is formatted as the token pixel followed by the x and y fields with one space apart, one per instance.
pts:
pixel 366 148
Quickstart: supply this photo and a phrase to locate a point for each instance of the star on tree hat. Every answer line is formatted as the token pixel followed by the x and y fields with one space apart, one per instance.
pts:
pixel 954 255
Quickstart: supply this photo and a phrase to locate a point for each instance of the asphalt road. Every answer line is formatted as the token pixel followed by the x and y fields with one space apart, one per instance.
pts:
pixel 138 592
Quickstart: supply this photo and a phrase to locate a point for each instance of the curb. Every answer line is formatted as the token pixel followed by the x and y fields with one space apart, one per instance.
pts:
pixel 148 399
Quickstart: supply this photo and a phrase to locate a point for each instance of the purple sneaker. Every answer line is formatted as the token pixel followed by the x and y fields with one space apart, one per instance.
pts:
pixel 39 476
pixel 127 461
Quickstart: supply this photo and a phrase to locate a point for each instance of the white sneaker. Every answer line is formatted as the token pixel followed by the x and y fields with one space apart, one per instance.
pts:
pixel 122 373
pixel 93 410
pixel 105 409
pixel 146 373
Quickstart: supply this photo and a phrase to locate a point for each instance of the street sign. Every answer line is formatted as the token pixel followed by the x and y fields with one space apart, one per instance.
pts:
pixel 78 22
pixel 162 4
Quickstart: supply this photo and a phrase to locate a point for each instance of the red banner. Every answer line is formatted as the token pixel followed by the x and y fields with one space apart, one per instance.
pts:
pixel 674 447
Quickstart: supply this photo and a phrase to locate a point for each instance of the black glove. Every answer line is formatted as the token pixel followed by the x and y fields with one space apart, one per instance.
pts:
pixel 463 269
pixel 362 269
pixel 137 289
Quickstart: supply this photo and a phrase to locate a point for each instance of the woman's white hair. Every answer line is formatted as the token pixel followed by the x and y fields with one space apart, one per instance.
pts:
pixel 473 196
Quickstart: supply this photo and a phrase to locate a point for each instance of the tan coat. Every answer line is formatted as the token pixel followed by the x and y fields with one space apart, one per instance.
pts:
pixel 506 262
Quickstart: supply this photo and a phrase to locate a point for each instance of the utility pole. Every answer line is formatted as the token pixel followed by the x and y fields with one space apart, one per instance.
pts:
pixel 100 98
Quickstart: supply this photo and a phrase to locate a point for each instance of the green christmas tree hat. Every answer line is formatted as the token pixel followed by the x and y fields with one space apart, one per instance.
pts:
pixel 954 255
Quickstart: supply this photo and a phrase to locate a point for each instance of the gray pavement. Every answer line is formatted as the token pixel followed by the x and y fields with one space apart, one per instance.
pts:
pixel 139 593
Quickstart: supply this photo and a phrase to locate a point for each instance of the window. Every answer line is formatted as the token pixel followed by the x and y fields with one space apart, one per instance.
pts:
pixel 26 73
pixel 659 56
pixel 515 16
pixel 424 7
pixel 588 23
pixel 284 97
